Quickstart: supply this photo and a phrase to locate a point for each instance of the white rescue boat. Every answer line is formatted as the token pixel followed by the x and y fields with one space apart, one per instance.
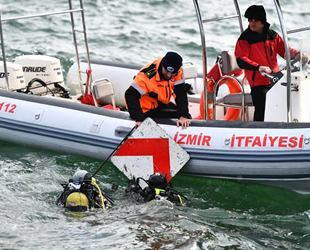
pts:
pixel 38 109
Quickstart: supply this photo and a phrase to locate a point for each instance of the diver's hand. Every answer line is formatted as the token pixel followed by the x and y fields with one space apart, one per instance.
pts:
pixel 184 122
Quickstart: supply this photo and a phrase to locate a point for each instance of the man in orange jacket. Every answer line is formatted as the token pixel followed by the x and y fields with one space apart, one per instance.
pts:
pixel 150 93
pixel 256 51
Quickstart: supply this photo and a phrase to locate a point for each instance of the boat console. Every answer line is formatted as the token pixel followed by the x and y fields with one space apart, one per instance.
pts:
pixel 299 89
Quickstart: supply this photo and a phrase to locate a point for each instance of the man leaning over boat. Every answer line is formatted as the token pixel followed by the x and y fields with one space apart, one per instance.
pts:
pixel 150 93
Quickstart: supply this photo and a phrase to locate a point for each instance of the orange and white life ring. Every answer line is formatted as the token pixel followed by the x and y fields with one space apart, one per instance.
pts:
pixel 232 114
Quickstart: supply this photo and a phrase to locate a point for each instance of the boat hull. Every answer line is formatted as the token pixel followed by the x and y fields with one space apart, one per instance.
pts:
pixel 276 154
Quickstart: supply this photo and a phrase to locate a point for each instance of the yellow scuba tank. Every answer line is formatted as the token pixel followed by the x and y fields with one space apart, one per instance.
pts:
pixel 77 202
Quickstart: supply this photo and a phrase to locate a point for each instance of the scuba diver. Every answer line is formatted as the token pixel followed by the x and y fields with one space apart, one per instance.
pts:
pixel 155 188
pixel 82 193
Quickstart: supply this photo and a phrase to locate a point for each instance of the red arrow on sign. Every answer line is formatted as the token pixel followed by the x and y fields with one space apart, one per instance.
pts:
pixel 156 147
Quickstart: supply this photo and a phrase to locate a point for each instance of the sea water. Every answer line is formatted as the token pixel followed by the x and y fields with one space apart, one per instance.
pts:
pixel 218 215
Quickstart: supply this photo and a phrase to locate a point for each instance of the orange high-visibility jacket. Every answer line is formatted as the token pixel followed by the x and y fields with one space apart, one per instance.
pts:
pixel 152 89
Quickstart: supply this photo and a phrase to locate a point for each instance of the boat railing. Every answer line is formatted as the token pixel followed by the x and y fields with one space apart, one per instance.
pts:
pixel 238 15
pixel 203 43
pixel 70 11
pixel 298 30
pixel 229 72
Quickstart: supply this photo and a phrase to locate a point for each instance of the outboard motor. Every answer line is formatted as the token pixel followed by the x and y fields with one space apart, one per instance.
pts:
pixel 15 76
pixel 42 74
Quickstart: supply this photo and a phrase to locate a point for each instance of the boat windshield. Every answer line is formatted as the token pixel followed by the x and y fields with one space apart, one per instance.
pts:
pixel 304 45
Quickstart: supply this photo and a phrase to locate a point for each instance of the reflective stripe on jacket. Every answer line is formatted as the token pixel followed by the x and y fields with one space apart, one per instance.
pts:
pixel 152 89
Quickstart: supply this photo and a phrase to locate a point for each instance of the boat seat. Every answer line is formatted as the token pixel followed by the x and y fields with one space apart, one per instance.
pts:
pixel 236 99
pixel 194 98
pixel 229 70
pixel 101 90
pixel 229 62
pixel 190 72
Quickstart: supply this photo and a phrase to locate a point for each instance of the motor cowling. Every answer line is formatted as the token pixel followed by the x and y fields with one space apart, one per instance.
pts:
pixel 15 76
pixel 47 69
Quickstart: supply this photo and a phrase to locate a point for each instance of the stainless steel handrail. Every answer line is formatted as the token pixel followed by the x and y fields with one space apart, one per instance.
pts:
pixel 219 18
pixel 4 56
pixel 288 59
pixel 239 15
pixel 203 45
pixel 297 30
pixel 216 85
pixel 41 15
pixel 204 56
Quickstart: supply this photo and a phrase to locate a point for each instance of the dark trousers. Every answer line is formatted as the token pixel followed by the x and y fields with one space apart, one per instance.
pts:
pixel 163 111
pixel 258 94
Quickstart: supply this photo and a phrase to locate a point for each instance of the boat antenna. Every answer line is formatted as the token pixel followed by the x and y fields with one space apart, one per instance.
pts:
pixel 117 147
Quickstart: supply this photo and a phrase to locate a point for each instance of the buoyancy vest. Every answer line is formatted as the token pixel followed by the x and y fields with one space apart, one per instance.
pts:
pixel 152 88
